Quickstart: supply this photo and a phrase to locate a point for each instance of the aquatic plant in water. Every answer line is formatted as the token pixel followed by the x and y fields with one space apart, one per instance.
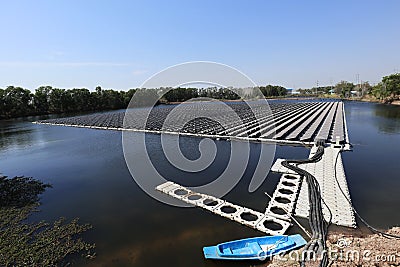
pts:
pixel 34 244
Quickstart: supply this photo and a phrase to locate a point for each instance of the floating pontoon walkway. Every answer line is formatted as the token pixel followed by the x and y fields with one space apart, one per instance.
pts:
pixel 297 122
pixel 328 180
pixel 267 223
pixel 290 195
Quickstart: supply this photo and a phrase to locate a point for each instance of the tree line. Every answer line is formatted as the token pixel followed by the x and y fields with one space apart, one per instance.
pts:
pixel 343 89
pixel 18 101
pixel 387 89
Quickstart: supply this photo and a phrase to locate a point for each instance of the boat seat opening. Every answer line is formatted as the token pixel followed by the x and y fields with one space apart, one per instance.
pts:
pixel 227 251
pixel 255 247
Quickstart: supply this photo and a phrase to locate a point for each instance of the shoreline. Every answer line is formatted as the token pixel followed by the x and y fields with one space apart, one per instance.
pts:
pixel 364 99
pixel 360 99
pixel 351 250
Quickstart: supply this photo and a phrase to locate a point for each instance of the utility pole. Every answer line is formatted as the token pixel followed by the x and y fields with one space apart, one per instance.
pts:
pixel 362 88
pixel 316 89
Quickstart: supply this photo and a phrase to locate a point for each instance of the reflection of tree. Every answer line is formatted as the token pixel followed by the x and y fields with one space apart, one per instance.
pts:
pixel 10 135
pixel 391 123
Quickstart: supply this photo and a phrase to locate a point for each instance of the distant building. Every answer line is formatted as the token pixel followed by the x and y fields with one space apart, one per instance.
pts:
pixel 354 93
pixel 291 91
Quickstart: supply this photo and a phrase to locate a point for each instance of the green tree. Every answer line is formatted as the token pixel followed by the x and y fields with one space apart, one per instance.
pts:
pixel 2 103
pixel 146 97
pixel 344 88
pixel 128 96
pixel 41 99
pixel 16 102
pixel 273 90
pixel 181 94
pixel 80 99
pixel 111 99
pixel 59 101
pixel 366 88
pixel 391 84
pixel 389 87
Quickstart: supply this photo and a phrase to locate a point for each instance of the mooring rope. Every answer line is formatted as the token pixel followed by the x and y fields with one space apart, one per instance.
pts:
pixel 318 225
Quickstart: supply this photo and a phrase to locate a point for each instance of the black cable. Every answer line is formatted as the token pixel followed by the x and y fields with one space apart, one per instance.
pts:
pixel 373 229
pixel 318 225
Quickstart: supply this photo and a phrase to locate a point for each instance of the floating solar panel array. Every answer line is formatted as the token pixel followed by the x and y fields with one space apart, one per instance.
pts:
pixel 290 122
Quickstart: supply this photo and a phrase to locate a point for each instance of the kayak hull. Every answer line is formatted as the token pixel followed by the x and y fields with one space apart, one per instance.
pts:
pixel 256 248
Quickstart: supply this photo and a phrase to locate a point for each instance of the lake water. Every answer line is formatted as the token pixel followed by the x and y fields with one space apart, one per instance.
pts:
pixel 91 181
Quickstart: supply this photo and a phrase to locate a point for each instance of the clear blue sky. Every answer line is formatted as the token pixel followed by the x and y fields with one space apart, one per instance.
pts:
pixel 119 44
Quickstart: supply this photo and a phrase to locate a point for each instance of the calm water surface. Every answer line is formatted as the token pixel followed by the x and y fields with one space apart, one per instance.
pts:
pixel 91 181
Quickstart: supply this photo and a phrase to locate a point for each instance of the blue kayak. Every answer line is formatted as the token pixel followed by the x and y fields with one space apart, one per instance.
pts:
pixel 256 248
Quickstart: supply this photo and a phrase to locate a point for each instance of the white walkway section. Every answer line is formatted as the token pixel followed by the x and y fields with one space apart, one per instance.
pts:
pixel 265 223
pixel 284 197
pixel 324 172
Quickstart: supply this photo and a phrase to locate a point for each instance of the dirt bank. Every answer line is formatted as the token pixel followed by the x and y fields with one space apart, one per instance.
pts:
pixel 353 251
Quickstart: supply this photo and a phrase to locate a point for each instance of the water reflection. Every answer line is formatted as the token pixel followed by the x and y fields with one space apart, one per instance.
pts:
pixel 12 135
pixel 391 123
pixel 20 133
